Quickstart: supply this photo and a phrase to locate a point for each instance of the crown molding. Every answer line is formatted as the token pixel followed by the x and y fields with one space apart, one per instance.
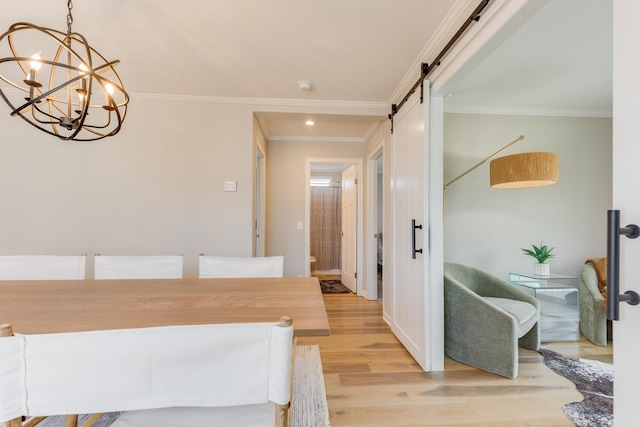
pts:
pixel 527 111
pixel 288 138
pixel 278 102
pixel 453 109
pixel 274 102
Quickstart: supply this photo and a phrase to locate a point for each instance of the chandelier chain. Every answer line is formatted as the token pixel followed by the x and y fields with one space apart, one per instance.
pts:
pixel 69 16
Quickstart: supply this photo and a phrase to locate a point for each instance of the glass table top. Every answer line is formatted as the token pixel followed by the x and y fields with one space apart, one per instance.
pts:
pixel 552 281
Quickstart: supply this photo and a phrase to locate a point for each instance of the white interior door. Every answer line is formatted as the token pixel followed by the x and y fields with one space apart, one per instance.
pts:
pixel 349 227
pixel 626 189
pixel 407 306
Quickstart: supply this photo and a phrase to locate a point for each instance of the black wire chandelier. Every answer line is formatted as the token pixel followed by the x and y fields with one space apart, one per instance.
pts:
pixel 60 84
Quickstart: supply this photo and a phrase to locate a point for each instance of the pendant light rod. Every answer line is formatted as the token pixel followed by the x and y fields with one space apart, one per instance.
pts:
pixel 520 138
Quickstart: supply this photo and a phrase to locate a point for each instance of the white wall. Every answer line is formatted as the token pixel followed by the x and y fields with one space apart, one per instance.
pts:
pixel 486 227
pixel 155 188
pixel 286 194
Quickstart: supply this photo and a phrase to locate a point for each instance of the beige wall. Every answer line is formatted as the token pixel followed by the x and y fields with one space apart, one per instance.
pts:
pixel 155 188
pixel 286 194
pixel 486 227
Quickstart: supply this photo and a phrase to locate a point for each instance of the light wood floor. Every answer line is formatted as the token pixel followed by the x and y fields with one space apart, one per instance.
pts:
pixel 371 380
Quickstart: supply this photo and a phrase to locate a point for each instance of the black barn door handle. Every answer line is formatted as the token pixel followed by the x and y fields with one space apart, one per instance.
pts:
pixel 614 231
pixel 413 238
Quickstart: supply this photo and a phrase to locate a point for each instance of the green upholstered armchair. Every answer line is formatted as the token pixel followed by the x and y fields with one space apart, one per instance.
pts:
pixel 486 319
pixel 593 321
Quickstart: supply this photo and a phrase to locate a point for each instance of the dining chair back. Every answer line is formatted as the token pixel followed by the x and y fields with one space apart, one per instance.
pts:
pixel 217 266
pixel 138 267
pixel 43 267
pixel 221 374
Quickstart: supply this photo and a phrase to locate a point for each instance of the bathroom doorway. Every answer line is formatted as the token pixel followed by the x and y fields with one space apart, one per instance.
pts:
pixel 325 251
pixel 325 222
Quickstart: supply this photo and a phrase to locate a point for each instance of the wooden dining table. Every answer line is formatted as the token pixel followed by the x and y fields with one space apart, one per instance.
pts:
pixel 49 306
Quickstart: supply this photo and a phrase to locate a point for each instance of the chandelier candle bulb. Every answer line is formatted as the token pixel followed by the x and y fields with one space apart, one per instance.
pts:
pixel 34 66
pixel 32 76
pixel 82 92
pixel 108 97
pixel 80 101
pixel 84 79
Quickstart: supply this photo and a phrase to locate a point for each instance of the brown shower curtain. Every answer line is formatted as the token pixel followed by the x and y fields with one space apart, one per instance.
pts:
pixel 326 217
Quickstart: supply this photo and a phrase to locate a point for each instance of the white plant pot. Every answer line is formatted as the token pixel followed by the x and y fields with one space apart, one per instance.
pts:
pixel 541 269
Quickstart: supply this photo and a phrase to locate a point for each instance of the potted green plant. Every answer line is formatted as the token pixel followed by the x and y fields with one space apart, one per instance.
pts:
pixel 541 253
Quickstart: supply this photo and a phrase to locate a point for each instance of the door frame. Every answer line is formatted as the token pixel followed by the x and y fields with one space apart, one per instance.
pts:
pixel 371 284
pixel 307 211
pixel 258 246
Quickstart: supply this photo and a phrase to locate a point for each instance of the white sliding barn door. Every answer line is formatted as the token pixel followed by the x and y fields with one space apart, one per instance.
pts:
pixel 349 227
pixel 406 310
pixel 626 188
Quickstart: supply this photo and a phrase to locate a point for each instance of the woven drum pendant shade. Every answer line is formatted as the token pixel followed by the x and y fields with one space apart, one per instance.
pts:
pixel 524 170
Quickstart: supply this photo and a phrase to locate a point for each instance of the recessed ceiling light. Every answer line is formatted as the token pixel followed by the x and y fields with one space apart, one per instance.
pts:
pixel 309 123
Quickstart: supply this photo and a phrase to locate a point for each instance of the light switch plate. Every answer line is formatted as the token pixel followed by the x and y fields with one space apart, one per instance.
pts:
pixel 230 186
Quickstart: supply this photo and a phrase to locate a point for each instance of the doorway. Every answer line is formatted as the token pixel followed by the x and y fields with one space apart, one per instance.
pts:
pixel 329 171
pixel 259 203
pixel 378 235
pixel 375 226
pixel 325 222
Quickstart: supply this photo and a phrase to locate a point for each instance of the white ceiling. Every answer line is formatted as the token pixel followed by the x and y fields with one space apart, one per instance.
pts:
pixel 355 51
pixel 559 62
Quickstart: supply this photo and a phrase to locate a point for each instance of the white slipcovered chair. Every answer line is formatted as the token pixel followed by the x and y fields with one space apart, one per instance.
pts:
pixel 216 266
pixel 43 267
pixel 193 375
pixel 138 267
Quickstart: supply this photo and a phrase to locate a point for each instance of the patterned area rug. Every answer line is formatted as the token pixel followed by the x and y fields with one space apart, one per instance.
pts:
pixel 333 287
pixel 594 380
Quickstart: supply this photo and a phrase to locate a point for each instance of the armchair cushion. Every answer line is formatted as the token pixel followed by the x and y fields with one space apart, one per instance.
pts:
pixel 524 312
